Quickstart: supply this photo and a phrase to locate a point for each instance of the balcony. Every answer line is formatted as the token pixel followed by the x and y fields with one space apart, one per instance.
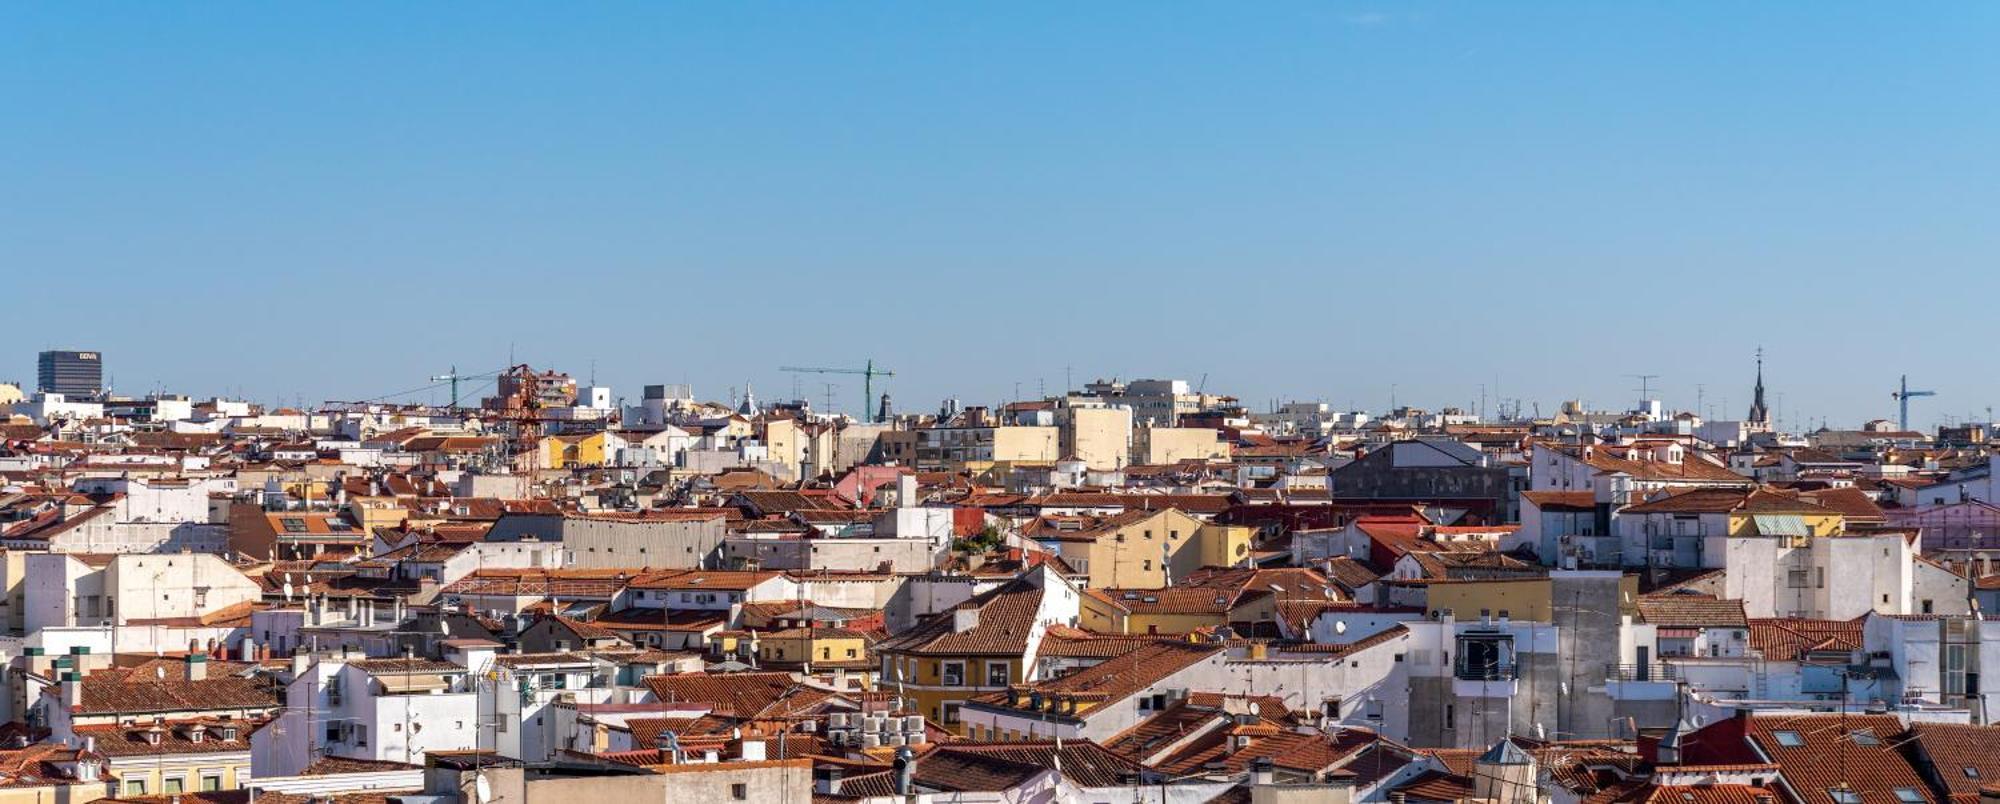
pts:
pixel 1468 671
pixel 1642 672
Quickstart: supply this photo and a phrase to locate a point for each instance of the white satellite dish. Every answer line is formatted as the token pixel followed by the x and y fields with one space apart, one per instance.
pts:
pixel 160 672
pixel 1340 626
pixel 482 791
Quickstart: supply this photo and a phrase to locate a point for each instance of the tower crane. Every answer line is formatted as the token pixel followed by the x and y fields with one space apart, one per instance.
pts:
pixel 868 374
pixel 1903 396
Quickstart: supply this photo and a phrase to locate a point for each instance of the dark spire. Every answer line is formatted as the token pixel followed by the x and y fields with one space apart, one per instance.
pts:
pixel 1759 413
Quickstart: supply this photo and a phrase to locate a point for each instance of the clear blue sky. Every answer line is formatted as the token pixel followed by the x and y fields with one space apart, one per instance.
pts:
pixel 1298 200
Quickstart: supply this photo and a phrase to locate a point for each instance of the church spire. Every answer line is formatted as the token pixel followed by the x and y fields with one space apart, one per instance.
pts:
pixel 1759 413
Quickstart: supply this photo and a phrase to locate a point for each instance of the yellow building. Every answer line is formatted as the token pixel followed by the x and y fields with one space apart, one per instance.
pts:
pixel 1141 549
pixel 574 451
pixel 1679 521
pixel 1527 599
pixel 163 747
pixel 819 647
pixel 1100 436
pixel 799 445
pixel 982 645
pixel 1165 445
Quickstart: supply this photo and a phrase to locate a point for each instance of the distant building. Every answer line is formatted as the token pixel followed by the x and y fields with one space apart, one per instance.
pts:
pixel 72 374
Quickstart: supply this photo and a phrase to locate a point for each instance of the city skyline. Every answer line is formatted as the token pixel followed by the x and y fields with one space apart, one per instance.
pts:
pixel 1715 401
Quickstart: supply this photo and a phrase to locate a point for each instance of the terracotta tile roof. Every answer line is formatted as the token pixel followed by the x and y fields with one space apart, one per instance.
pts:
pixel 1791 639
pixel 1436 786
pixel 561 584
pixel 1562 500
pixel 728 580
pixel 742 695
pixel 378 667
pixel 1851 502
pixel 1350 573
pixel 1062 641
pixel 1677 610
pixel 330 766
pixel 1952 748
pixel 1739 501
pixel 120 695
pixel 1196 504
pixel 1115 679
pixel 1084 763
pixel 1818 753
pixel 1007 615
pixel 175 737
pixel 1693 468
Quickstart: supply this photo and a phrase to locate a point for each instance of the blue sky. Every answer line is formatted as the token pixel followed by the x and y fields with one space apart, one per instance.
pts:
pixel 1296 199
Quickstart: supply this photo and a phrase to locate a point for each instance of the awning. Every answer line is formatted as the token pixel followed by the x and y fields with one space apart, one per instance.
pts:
pixel 1780 525
pixel 393 683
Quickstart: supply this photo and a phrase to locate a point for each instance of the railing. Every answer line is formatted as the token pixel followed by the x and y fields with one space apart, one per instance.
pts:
pixel 1467 672
pixel 1642 672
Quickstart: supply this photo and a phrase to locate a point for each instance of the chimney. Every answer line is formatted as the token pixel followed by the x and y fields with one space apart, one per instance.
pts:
pixel 1261 772
pixel 906 771
pixel 298 662
pixel 247 652
pixel 197 667
pixel 965 619
pixel 906 490
pixel 1989 794
pixel 72 689
pixel 751 749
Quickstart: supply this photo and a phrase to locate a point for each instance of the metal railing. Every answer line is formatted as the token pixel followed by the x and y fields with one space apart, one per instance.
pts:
pixel 1642 672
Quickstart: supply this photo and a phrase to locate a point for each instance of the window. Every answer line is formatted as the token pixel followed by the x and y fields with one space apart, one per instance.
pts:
pixel 135 787
pixel 996 674
pixel 949 710
pixel 1863 737
pixel 173 785
pixel 953 674
pixel 1788 739
pixel 1971 772
pixel 1450 716
pixel 1909 795
pixel 739 791
pixel 1844 795
pixel 211 782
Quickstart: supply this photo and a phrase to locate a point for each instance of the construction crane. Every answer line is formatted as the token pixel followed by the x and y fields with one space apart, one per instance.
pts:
pixel 1902 396
pixel 453 378
pixel 868 374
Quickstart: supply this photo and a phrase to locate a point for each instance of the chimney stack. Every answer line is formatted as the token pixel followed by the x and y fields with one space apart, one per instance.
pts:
pixel 197 667
pixel 906 771
pixel 72 689
pixel 1262 772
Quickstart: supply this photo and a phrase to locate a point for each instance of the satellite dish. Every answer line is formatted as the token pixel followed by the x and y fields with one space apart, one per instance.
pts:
pixel 482 791
pixel 1340 626
pixel 160 672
